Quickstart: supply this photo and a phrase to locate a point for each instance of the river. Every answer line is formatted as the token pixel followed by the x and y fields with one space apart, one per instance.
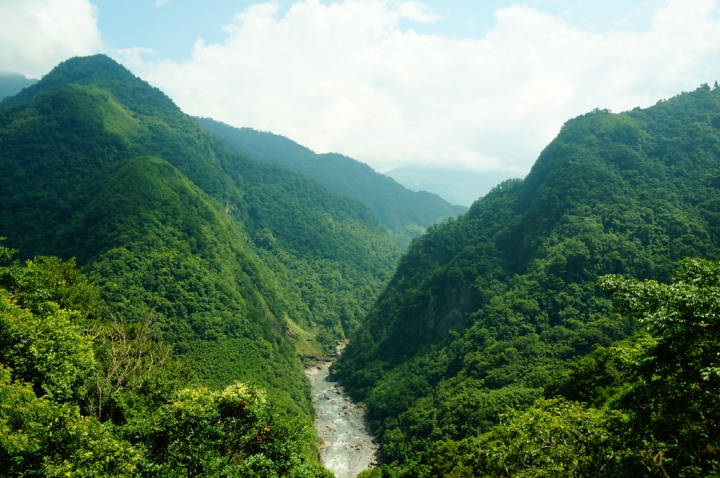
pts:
pixel 348 448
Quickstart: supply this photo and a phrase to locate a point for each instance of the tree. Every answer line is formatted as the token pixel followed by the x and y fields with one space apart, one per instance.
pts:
pixel 235 432
pixel 46 283
pixel 673 407
pixel 134 373
pixel 553 438
pixel 47 350
pixel 42 438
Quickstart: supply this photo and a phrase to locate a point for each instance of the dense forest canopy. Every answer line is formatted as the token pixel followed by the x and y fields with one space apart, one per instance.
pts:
pixel 87 148
pixel 83 394
pixel 235 268
pixel 487 311
pixel 159 288
pixel 405 213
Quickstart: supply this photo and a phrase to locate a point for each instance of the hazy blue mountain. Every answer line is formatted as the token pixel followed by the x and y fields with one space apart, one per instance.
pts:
pixel 404 212
pixel 13 83
pixel 457 187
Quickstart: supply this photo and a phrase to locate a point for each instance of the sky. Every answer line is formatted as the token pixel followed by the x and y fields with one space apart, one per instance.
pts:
pixel 468 84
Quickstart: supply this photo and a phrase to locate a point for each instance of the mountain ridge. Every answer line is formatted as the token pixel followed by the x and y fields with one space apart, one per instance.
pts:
pixel 484 310
pixel 456 186
pixel 405 213
pixel 13 83
pixel 218 247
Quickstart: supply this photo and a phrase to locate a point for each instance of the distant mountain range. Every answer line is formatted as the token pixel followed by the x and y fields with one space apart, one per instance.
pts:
pixel 13 83
pixel 404 212
pixel 457 187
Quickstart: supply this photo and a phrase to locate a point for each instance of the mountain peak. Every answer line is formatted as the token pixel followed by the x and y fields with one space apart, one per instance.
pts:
pixel 104 72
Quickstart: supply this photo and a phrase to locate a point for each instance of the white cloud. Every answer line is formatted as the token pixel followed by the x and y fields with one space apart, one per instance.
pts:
pixel 35 35
pixel 343 77
pixel 134 56
pixel 161 2
pixel 418 12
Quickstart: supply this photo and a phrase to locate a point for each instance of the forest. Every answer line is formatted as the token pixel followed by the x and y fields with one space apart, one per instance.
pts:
pixel 405 213
pixel 164 279
pixel 87 395
pixel 540 333
pixel 235 270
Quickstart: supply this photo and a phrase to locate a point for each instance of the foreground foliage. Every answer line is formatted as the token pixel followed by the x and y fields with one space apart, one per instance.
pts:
pixel 81 395
pixel 673 406
pixel 235 432
pixel 665 417
pixel 661 419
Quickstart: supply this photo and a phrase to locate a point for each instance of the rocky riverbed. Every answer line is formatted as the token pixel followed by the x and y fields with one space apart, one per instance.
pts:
pixel 347 447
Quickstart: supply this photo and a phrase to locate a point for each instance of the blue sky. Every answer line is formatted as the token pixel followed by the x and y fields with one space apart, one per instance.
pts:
pixel 171 28
pixel 480 85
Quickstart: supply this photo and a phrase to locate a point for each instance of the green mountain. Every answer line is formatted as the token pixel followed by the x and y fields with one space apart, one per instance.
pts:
pixel 404 212
pixel 13 83
pixel 486 310
pixel 240 265
pixel 86 394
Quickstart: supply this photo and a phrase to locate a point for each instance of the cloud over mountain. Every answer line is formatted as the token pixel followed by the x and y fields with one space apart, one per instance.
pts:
pixel 346 77
pixel 35 35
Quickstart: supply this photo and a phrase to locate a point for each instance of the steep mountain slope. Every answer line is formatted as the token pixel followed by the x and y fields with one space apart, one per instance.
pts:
pixel 86 395
pixel 484 310
pixel 406 213
pixel 241 265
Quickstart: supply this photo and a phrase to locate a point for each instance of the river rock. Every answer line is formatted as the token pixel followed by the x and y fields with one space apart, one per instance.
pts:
pixel 346 449
pixel 353 447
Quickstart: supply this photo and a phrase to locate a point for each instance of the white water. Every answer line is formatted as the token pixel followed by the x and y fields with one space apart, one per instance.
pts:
pixel 348 448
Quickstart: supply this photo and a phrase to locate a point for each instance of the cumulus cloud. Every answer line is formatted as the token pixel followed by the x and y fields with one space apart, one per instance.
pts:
pixel 35 35
pixel 345 77
pixel 418 12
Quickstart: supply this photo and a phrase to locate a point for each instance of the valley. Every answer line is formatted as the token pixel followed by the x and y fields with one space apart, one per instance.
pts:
pixel 172 290
pixel 347 447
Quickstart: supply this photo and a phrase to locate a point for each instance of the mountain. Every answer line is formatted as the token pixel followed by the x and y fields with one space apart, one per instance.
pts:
pixel 241 266
pixel 457 187
pixel 485 311
pixel 13 83
pixel 405 213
